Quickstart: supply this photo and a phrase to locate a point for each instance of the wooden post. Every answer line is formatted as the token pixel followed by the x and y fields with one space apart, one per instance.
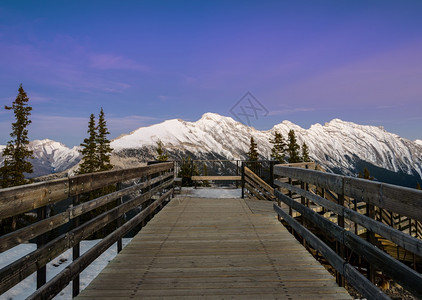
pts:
pixel 41 240
pixel 120 219
pixel 75 251
pixel 340 247
pixel 243 180
pixel 272 163
pixel 370 237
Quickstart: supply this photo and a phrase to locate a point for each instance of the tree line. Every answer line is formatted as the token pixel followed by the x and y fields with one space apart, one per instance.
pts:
pixel 282 148
pixel 96 150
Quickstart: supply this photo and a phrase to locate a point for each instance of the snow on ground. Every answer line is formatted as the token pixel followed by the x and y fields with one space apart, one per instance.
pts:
pixel 202 192
pixel 28 286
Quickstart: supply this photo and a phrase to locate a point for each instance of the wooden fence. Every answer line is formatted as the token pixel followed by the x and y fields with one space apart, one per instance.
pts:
pixel 341 196
pixel 113 194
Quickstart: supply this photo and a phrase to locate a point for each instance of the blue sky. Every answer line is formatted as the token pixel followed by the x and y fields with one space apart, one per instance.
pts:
pixel 147 61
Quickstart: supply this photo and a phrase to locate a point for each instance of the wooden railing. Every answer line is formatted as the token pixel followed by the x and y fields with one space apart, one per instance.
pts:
pixel 112 194
pixel 312 187
pixel 254 187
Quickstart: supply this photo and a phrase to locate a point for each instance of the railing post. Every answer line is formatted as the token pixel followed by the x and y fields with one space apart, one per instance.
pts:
pixel 120 219
pixel 243 180
pixel 75 250
pixel 272 163
pixel 339 246
pixel 370 237
pixel 41 240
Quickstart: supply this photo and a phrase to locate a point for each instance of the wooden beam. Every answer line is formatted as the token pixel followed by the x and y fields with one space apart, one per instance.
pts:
pixel 216 178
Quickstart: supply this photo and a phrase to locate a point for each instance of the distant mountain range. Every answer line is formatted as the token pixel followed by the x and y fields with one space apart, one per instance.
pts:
pixel 340 147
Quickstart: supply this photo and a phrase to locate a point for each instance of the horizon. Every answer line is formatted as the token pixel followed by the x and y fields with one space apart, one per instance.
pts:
pixel 146 62
pixel 194 121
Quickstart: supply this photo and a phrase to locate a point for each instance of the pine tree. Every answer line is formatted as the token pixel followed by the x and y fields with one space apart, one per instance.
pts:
pixel 103 144
pixel 279 147
pixel 161 153
pixel 305 153
pixel 16 152
pixel 293 148
pixel 205 182
pixel 187 170
pixel 253 153
pixel 366 174
pixel 90 161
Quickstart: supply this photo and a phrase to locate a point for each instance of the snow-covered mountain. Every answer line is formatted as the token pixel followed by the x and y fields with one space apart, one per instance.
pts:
pixel 50 157
pixel 337 145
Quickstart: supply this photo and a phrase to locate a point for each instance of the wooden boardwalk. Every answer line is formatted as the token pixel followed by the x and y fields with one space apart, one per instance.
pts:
pixel 214 249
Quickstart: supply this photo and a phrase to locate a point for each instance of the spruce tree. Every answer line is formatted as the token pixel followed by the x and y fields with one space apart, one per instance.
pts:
pixel 90 160
pixel 253 152
pixel 279 147
pixel 16 152
pixel 161 153
pixel 305 153
pixel 366 174
pixel 293 148
pixel 103 144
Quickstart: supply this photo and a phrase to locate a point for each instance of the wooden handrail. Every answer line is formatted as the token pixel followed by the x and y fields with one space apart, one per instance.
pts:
pixel 380 196
pixel 143 183
pixel 21 199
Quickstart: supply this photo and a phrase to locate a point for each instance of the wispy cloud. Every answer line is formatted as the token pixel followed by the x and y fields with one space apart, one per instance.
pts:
pixel 289 111
pixel 103 61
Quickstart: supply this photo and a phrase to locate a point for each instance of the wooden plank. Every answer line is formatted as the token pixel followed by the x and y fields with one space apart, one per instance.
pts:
pixel 61 280
pixel 361 283
pixel 403 240
pixel 398 271
pixel 20 199
pixel 213 248
pixel 195 178
pixel 258 189
pixel 252 190
pixel 22 268
pixel 324 180
pixel 29 232
pixel 259 181
pixel 401 200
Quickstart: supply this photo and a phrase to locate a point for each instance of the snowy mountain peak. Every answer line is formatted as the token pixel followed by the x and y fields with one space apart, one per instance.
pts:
pixel 338 145
pixel 419 142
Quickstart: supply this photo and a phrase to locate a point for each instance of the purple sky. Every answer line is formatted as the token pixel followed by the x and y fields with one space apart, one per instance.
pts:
pixel 148 61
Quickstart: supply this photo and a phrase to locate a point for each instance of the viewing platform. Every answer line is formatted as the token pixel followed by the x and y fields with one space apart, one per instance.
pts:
pixel 218 249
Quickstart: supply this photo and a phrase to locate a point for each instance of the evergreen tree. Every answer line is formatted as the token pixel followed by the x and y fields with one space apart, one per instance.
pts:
pixel 366 174
pixel 90 160
pixel 279 147
pixel 16 152
pixel 187 170
pixel 293 148
pixel 305 153
pixel 161 153
pixel 253 152
pixel 103 144
pixel 205 182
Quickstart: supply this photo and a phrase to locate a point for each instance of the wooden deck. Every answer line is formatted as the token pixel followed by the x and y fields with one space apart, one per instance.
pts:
pixel 214 248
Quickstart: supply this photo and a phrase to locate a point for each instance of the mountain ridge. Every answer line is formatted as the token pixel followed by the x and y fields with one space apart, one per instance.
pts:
pixel 339 146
